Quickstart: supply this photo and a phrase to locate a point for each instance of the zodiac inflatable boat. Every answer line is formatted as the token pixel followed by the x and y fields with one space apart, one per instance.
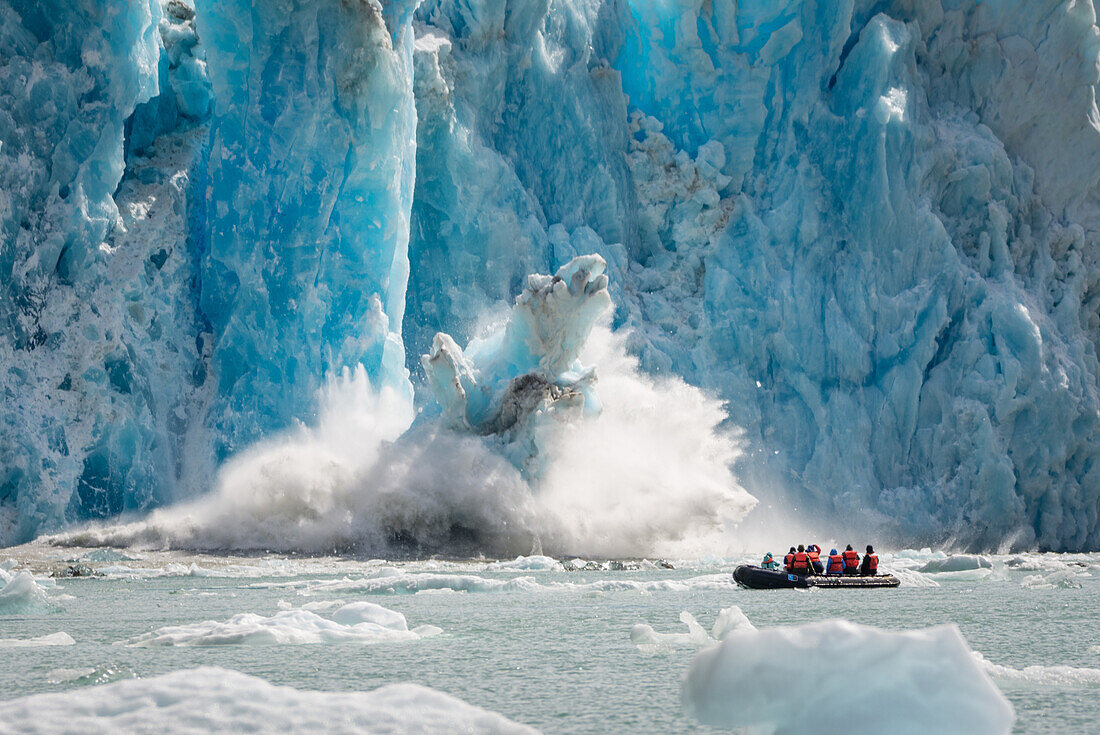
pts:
pixel 758 578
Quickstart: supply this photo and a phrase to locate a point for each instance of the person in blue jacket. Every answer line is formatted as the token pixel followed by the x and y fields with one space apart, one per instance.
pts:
pixel 836 563
pixel 770 562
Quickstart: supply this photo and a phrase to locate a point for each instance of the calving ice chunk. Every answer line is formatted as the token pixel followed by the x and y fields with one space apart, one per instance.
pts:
pixel 529 370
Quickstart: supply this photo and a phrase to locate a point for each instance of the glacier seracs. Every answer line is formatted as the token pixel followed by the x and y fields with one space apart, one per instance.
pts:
pixel 870 227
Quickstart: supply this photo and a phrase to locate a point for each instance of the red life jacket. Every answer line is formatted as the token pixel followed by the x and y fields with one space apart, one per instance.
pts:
pixel 851 559
pixel 815 555
pixel 872 562
pixel 836 563
pixel 787 560
pixel 800 562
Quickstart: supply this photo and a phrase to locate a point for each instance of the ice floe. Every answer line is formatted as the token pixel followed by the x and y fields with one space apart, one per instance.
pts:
pixel 53 639
pixel 861 681
pixel 214 700
pixel 356 622
pixel 956 563
pixel 1064 579
pixel 1062 676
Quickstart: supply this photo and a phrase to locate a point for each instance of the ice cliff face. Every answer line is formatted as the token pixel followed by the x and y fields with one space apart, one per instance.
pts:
pixel 871 227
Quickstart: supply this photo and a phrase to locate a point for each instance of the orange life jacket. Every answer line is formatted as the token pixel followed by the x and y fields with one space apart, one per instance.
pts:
pixel 851 559
pixel 836 563
pixel 872 562
pixel 800 562
pixel 815 555
pixel 787 560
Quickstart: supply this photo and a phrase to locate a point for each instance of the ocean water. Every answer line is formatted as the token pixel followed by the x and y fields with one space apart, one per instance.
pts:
pixel 543 646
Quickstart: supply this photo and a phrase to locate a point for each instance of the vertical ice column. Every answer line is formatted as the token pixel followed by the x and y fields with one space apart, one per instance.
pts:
pixel 303 252
pixel 71 73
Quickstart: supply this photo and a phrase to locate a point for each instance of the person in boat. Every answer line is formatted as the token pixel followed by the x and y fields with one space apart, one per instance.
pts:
pixel 836 563
pixel 787 559
pixel 770 562
pixel 815 558
pixel 800 564
pixel 869 568
pixel 851 560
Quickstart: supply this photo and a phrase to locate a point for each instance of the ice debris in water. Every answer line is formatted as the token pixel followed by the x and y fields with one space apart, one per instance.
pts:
pixel 729 620
pixel 221 702
pixel 1046 676
pixel 865 681
pixel 529 371
pixel 1065 579
pixel 20 593
pixel 53 639
pixel 956 563
pixel 535 563
pixel 356 622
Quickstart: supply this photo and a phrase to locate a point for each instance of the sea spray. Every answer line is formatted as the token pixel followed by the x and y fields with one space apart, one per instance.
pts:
pixel 644 468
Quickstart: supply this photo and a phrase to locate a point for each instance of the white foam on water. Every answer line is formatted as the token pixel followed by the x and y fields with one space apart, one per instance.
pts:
pixel 213 700
pixel 60 638
pixel 864 681
pixel 913 578
pixel 357 622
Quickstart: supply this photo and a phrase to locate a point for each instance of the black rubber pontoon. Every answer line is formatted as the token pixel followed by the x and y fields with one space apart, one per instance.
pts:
pixel 758 578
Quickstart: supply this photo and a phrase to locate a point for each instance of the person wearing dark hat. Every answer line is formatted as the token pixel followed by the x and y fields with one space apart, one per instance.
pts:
pixel 787 559
pixel 869 567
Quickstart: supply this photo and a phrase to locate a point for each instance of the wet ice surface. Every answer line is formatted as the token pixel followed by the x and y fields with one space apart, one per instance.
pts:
pixel 542 646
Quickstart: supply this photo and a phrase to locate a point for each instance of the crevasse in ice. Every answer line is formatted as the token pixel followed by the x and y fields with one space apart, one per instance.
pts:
pixel 871 227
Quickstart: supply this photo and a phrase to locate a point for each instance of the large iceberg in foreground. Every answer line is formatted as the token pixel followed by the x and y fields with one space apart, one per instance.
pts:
pixel 212 700
pixel 839 678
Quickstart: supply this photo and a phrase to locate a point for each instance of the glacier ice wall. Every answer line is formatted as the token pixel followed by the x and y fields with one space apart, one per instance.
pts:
pixel 204 209
pixel 308 186
pixel 871 227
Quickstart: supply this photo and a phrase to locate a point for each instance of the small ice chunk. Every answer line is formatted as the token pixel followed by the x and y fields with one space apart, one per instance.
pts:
pixel 357 622
pixel 63 676
pixel 53 639
pixel 22 593
pixel 534 563
pixel 956 563
pixel 729 620
pixel 1063 676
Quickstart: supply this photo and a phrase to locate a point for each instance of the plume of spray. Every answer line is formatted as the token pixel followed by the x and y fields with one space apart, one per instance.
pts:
pixel 531 447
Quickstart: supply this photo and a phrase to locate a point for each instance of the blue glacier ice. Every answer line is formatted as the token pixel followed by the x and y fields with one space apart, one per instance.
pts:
pixel 870 227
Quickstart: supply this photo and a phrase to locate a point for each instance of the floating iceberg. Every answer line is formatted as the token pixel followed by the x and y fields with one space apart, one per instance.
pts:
pixel 60 638
pixel 728 621
pixel 356 622
pixel 20 593
pixel 213 700
pixel 862 681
